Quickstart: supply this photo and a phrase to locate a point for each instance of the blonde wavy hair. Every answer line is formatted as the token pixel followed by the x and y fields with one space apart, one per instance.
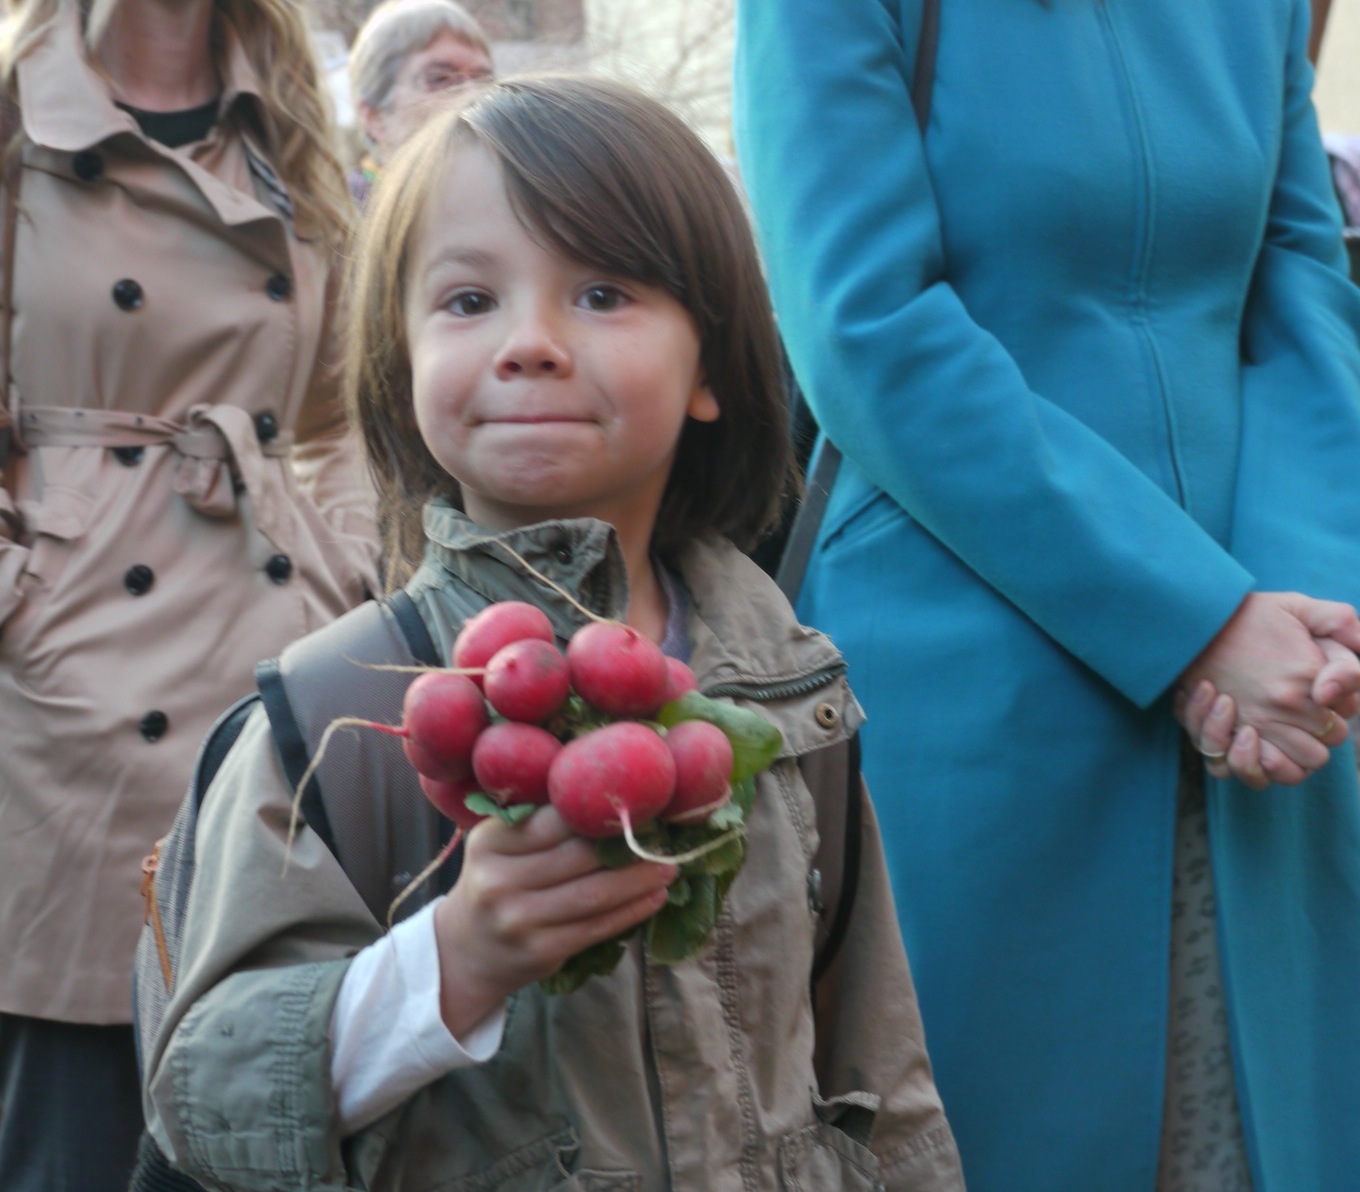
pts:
pixel 297 120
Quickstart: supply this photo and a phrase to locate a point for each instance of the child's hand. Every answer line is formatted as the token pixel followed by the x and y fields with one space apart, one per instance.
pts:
pixel 530 896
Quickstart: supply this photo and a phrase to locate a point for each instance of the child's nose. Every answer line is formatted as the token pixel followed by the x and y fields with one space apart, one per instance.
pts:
pixel 535 348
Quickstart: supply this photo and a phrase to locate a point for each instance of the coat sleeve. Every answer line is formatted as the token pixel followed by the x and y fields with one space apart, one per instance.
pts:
pixel 13 555
pixel 927 403
pixel 327 458
pixel 865 997
pixel 12 559
pixel 238 1087
pixel 1295 518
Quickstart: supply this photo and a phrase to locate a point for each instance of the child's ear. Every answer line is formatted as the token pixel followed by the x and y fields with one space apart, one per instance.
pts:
pixel 703 406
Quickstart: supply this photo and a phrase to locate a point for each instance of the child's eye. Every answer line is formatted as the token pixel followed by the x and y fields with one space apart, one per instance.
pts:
pixel 603 297
pixel 470 302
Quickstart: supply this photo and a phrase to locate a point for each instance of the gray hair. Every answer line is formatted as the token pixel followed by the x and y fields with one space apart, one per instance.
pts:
pixel 396 29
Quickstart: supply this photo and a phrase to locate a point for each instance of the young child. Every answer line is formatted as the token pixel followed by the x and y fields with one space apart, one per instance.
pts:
pixel 562 345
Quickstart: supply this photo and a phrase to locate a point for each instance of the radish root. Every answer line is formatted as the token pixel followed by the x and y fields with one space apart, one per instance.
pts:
pixel 420 879
pixel 295 814
pixel 672 858
pixel 543 579
pixel 418 670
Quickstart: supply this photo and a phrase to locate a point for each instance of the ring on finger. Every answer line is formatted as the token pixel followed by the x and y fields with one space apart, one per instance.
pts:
pixel 1327 729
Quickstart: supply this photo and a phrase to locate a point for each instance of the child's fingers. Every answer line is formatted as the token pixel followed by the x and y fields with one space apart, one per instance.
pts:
pixel 541 831
pixel 586 933
pixel 532 935
pixel 595 895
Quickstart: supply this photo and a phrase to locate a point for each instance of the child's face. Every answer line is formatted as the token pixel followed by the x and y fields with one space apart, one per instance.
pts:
pixel 545 389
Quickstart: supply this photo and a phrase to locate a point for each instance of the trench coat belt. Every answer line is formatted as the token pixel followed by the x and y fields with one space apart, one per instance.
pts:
pixel 220 455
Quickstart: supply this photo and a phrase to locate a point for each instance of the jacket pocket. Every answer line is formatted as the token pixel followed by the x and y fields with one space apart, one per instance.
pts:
pixel 830 1155
pixel 551 1164
pixel 52 529
pixel 869 511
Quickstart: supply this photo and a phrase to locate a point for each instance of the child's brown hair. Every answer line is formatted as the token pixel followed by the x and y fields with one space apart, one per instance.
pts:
pixel 615 181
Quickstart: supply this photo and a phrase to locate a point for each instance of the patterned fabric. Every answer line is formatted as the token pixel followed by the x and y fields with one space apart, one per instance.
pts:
pixel 1344 152
pixel 1202 1148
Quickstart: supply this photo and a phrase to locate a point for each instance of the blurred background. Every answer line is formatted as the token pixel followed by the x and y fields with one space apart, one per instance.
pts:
pixel 680 50
pixel 1338 87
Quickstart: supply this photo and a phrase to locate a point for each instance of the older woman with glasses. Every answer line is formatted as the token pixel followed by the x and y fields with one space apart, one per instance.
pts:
pixel 409 55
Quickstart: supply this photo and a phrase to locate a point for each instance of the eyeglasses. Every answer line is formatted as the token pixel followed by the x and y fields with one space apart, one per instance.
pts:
pixel 436 78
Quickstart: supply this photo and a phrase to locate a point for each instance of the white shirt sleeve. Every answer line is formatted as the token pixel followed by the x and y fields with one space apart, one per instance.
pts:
pixel 387 1037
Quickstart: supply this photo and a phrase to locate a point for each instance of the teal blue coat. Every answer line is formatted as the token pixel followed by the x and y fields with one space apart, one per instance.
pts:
pixel 1093 360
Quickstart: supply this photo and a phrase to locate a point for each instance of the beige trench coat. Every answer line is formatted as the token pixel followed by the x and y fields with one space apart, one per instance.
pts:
pixel 192 500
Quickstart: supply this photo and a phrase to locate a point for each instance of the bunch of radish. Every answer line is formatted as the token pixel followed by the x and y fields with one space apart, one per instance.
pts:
pixel 611 732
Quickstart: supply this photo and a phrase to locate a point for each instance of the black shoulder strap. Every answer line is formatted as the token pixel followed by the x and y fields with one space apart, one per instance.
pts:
pixel 413 628
pixel 221 737
pixel 287 734
pixel 293 751
pixel 808 520
pixel 424 650
pixel 849 881
pixel 362 633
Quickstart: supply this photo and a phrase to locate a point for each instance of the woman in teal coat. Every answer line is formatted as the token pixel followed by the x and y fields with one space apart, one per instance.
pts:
pixel 1091 355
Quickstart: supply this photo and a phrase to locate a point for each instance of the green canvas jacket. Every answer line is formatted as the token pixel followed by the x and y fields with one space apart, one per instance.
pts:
pixel 712 1075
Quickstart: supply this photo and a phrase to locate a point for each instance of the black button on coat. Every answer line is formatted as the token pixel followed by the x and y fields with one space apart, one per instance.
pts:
pixel 138 579
pixel 127 294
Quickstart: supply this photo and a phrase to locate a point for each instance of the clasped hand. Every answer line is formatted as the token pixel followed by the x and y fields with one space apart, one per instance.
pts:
pixel 1267 700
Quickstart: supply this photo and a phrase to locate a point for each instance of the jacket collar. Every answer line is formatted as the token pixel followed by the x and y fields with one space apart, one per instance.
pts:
pixel 66 104
pixel 579 561
pixel 741 628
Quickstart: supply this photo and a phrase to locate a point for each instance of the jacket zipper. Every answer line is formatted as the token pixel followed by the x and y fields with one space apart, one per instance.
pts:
pixel 1146 234
pixel 769 692
pixel 150 867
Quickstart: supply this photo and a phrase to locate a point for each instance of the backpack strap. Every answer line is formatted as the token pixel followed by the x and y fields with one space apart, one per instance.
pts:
pixel 834 773
pixel 393 631
pixel 413 628
pixel 363 800
pixel 221 737
pixel 294 752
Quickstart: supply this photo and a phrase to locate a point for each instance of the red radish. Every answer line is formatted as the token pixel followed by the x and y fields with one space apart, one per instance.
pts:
pixel 616 775
pixel 430 764
pixel 495 627
pixel 617 670
pixel 441 718
pixel 511 762
pixel 448 798
pixel 679 679
pixel 703 770
pixel 526 680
